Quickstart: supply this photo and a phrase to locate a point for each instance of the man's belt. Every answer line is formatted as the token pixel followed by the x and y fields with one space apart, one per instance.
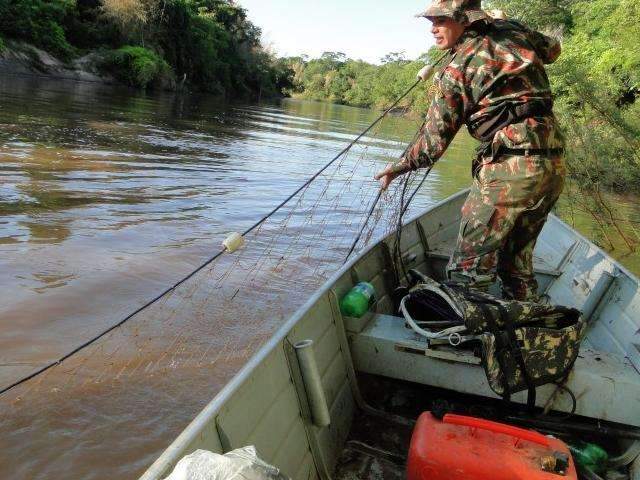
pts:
pixel 529 151
pixel 485 148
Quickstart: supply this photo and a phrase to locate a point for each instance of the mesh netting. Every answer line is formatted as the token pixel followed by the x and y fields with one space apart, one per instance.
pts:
pixel 146 379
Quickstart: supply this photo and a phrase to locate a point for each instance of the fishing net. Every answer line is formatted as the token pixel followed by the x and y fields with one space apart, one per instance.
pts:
pixel 145 380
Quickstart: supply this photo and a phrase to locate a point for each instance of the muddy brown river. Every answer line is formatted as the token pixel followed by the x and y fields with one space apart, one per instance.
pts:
pixel 108 197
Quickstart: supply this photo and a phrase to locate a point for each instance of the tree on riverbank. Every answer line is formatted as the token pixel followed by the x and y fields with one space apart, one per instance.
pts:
pixel 597 86
pixel 596 82
pixel 206 44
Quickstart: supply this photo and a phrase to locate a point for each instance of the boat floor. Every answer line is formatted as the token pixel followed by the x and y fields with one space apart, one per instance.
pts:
pixel 375 450
pixel 378 442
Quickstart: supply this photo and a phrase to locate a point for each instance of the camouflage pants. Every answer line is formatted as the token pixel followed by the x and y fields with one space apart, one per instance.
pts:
pixel 502 217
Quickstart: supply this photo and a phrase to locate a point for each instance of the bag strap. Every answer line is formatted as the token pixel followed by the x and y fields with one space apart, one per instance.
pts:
pixel 516 353
pixel 500 350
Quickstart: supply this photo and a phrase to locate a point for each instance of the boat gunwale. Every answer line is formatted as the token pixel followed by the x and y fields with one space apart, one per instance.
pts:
pixel 208 413
pixel 171 455
pixel 572 230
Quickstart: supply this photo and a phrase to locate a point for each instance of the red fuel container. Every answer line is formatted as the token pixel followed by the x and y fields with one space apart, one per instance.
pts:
pixel 468 448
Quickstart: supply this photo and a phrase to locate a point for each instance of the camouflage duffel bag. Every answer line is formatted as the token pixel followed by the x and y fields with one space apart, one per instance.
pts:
pixel 523 344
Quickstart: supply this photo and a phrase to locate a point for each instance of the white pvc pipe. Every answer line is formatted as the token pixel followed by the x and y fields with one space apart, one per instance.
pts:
pixel 312 383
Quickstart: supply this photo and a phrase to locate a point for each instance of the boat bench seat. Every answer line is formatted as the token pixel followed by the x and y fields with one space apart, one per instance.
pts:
pixel 606 386
pixel 545 272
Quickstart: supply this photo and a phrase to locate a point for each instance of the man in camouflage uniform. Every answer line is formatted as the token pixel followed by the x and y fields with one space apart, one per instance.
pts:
pixel 496 84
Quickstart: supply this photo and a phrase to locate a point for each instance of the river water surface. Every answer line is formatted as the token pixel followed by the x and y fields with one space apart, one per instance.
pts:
pixel 107 198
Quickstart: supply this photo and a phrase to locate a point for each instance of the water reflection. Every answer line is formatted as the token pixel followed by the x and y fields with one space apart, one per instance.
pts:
pixel 42 232
pixel 101 183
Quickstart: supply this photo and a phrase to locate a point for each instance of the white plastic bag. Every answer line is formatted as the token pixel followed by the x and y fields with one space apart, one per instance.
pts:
pixel 241 463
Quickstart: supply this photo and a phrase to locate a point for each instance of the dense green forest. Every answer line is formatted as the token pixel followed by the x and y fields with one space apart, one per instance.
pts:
pixel 596 82
pixel 335 78
pixel 204 44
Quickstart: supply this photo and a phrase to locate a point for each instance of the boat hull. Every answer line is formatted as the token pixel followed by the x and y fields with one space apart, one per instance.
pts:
pixel 266 405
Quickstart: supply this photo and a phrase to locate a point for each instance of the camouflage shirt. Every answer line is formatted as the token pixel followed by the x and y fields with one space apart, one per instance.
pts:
pixel 496 63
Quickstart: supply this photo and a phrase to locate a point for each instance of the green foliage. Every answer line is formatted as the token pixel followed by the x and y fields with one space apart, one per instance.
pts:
pixel 543 15
pixel 597 83
pixel 603 45
pixel 334 78
pixel 209 44
pixel 136 66
pixel 38 22
pixel 195 46
pixel 87 28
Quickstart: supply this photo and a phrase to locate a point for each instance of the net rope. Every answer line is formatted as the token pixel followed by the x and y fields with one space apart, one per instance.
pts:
pixel 183 347
pixel 299 193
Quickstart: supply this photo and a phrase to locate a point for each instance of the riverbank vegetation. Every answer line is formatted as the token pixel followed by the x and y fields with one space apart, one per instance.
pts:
pixel 208 45
pixel 334 77
pixel 596 83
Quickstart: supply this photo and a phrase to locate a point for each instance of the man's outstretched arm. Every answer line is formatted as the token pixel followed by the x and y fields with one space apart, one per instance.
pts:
pixel 444 118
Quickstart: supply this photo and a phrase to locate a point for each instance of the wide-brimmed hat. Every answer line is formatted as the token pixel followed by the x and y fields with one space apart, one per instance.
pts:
pixel 465 11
